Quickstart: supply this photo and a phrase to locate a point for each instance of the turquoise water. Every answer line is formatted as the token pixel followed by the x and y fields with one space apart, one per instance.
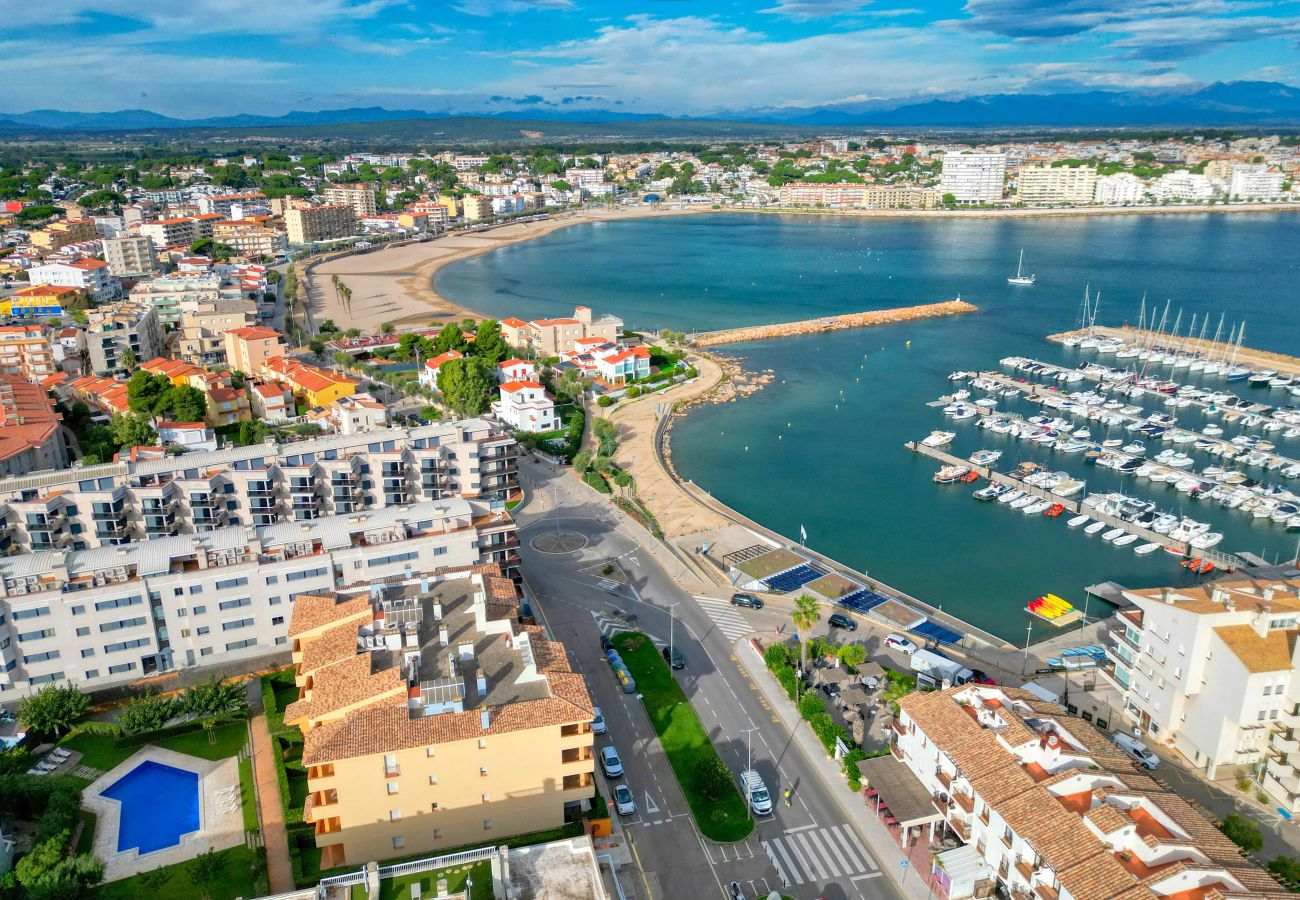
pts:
pixel 160 803
pixel 788 456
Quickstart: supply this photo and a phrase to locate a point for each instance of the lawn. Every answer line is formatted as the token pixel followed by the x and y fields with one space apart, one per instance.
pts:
pixel 239 877
pixel 86 842
pixel 683 738
pixel 100 751
pixel 394 888
pixel 248 795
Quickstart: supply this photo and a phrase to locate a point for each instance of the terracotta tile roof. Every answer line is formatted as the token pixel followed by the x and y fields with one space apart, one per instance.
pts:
pixel 312 611
pixel 255 333
pixel 1246 594
pixel 1272 653
pixel 436 361
pixel 1107 818
pixel 27 416
pixel 348 682
pixel 511 387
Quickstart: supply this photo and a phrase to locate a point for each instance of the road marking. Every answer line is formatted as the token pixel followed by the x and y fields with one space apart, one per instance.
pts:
pixel 728 621
pixel 859 857
pixel 800 828
pixel 808 844
pixel 650 804
pixel 809 853
pixel 772 850
pixel 834 859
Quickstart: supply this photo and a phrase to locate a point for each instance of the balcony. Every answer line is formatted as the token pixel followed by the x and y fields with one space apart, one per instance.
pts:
pixel 945 778
pixel 1007 840
pixel 1046 892
pixel 576 754
pixel 965 801
pixel 1124 642
pixel 579 782
pixel 898 727
pixel 959 827
pixel 1025 868
pixel 1283 744
pixel 331 825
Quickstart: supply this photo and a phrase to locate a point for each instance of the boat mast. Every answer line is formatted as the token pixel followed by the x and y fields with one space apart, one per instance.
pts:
pixel 1218 332
pixel 1237 351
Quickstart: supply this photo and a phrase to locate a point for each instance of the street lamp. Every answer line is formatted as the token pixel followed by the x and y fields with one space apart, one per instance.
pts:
pixel 672 620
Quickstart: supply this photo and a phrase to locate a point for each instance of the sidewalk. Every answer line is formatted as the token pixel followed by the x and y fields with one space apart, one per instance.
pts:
pixel 877 836
pixel 274 837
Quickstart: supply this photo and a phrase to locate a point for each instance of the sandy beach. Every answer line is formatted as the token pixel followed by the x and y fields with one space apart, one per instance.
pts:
pixel 395 284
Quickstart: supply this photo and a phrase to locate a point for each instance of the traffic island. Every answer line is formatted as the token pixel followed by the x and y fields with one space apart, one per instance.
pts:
pixel 716 805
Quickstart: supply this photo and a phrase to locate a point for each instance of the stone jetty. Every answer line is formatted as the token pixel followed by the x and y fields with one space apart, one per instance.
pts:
pixel 833 323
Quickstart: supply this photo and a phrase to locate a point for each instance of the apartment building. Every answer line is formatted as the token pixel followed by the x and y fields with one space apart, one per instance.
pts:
pixel 99 506
pixel 354 414
pixel 835 196
pixel 1047 807
pixel 973 177
pixel 1183 186
pixel 1210 671
pixel 1056 185
pixel 204 325
pixel 60 234
pixel 175 232
pixel 87 274
pixel 319 223
pixel 551 337
pixel 235 206
pixel 1255 183
pixel 39 301
pixel 170 293
pixel 901 196
pixel 249 347
pixel 98 618
pixel 130 257
pixel 271 402
pixel 432 718
pixel 360 198
pixel 312 385
pixel 26 352
pixel 251 237
pixel 525 406
pixel 1119 189
pixel 30 434
pixel 113 329
pixel 475 207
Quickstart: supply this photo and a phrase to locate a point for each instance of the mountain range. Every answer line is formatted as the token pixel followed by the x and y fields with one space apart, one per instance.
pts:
pixel 1241 103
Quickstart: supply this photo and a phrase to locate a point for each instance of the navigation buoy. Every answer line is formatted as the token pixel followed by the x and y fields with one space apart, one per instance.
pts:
pixel 909 343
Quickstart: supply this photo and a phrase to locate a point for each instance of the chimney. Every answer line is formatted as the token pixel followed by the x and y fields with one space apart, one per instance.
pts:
pixel 1219 595
pixel 442 635
pixel 437 611
pixel 482 686
pixel 1167 595
pixel 1268 593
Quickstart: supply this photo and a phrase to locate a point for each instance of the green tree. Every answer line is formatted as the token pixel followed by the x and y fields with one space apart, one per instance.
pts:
pixel 145 712
pixel 450 337
pixel 132 430
pixel 147 393
pixel 212 697
pixel 712 777
pixel 561 185
pixel 488 342
pixel 253 432
pixel 128 362
pixel 949 200
pixel 466 385
pixel 810 705
pixel 205 870
pixel 852 655
pixel 53 709
pixel 582 462
pixel 806 614
pixel 186 404
pixel 317 345
pixel 384 327
pixel 1242 832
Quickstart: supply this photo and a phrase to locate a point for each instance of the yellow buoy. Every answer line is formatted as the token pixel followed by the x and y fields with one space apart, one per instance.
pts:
pixel 909 343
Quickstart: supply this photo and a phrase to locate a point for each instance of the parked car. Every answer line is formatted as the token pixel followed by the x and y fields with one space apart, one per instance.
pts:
pixel 1140 752
pixel 839 620
pixel 598 725
pixel 746 600
pixel 981 677
pixel 734 891
pixel 674 657
pixel 901 644
pixel 610 762
pixel 624 802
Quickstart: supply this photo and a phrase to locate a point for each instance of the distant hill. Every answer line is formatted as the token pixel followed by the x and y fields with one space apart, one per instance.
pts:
pixel 1241 103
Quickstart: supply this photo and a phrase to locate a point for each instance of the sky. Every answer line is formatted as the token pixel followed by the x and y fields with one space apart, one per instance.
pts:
pixel 196 58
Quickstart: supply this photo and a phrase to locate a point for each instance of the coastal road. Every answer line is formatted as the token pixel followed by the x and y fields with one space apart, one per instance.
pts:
pixel 808 850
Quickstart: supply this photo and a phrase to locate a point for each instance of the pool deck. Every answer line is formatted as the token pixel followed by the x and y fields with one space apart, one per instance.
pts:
pixel 221 825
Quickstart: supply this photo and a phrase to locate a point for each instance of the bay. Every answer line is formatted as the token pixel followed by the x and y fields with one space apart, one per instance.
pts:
pixel 788 456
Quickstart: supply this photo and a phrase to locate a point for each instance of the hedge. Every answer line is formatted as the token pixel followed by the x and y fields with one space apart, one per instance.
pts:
pixel 148 737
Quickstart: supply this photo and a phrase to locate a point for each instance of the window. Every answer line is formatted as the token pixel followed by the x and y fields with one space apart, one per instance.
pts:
pixel 205 651
pixel 487 798
pixel 281 640
pixel 236 624
pixel 78 610
pixel 277 620
pixel 272 579
pixel 200 610
pixel 429 751
pixel 482 772
pixel 433 807
pixel 54 654
pixel 235 604
pixel 393 787
pixel 119 669
pixel 118 603
pixel 437 834
pixel 34 612
pixel 240 645
pixel 231 583
pixel 390 764
pixel 126 645
pixel 196 589
pixel 49 633
pixel 202 630
pixel 92 673
pixel 394 815
pixel 83 632
pixel 87 651
pixel 433 779
pixel 487 824
pixel 482 743
pixel 274 601
pixel 439 551
pixel 1261 715
pixel 399 842
pixel 305 573
pixel 122 623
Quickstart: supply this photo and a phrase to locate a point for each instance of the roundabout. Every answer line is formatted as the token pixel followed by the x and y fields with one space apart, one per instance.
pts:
pixel 559 542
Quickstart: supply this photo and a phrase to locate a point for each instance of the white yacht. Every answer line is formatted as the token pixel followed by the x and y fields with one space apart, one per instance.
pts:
pixel 938 439
pixel 1020 277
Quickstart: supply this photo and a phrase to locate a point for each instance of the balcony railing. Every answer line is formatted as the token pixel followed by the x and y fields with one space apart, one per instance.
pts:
pixel 1025 868
pixel 965 801
pixel 1283 744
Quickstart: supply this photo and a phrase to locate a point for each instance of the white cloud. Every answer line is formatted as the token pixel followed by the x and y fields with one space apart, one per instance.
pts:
pixel 192 17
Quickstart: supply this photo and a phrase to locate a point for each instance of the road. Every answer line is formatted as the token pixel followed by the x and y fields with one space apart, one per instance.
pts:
pixel 807 850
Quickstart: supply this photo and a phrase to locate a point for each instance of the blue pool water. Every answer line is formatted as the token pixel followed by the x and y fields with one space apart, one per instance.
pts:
pixel 159 804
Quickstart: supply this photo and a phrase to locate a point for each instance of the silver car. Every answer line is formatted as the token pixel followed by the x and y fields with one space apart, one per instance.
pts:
pixel 610 762
pixel 598 725
pixel 624 802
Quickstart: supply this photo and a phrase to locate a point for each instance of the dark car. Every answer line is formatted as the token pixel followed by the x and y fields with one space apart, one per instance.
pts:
pixel 674 658
pixel 839 620
pixel 747 600
pixel 605 642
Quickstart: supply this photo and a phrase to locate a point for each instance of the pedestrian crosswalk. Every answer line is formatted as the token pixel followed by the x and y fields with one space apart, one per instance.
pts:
pixel 818 854
pixel 724 615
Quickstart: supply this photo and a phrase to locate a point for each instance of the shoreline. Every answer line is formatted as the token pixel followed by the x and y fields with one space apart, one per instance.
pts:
pixel 395 284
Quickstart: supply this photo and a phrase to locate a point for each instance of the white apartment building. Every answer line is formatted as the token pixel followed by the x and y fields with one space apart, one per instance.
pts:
pixel 1183 186
pixel 87 274
pixel 1046 806
pixel 1056 185
pixel 171 293
pixel 1119 189
pixel 1255 183
pixel 118 503
pixel 973 177
pixel 97 618
pixel 130 257
pixel 178 232
pixel 360 197
pixel 1210 671
pixel 525 406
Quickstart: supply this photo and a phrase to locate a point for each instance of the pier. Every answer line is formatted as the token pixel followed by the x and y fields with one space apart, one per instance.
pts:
pixel 1247 357
pixel 832 323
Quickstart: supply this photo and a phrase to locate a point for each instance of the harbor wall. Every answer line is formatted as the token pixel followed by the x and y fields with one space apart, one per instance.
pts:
pixel 833 323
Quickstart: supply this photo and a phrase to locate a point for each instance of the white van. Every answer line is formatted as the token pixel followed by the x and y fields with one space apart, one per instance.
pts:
pixel 1141 754
pixel 760 801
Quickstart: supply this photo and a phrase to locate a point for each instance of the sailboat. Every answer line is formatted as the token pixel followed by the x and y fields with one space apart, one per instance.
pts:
pixel 1020 277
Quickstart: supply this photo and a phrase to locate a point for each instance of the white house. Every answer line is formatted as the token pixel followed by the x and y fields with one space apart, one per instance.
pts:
pixel 351 415
pixel 516 370
pixel 619 365
pixel 189 435
pixel 429 371
pixel 89 275
pixel 524 406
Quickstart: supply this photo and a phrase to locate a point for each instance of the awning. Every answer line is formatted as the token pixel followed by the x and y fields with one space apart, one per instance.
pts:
pixel 907 799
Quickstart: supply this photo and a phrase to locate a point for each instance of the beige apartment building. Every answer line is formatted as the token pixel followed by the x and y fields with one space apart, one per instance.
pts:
pixel 176 232
pixel 203 328
pixel 476 207
pixel 113 329
pixel 60 234
pixel 432 718
pixel 130 257
pixel 248 348
pixel 359 197
pixel 319 223
pixel 901 196
pixel 26 351
pixel 551 337
pixel 251 237
pixel 1056 185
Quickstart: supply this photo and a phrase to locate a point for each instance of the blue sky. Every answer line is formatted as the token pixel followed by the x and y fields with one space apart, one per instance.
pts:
pixel 192 58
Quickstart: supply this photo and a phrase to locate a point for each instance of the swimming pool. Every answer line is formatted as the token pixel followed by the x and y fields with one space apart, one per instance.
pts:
pixel 159 804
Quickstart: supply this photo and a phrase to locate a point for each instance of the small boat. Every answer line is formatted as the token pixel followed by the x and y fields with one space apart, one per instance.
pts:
pixel 1011 496
pixel 971 476
pixel 1020 277
pixel 1207 540
pixel 1125 540
pixel 1094 527
pixel 1054 510
pixel 949 474
pixel 1077 521
pixel 1112 534
pixel 990 492
pixel 985 457
pixel 1144 549
pixel 1022 502
pixel 1035 508
pixel 938 438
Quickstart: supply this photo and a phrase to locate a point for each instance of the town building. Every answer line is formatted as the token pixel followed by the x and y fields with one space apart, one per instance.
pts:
pixel 114 329
pixel 169 294
pixel 1255 183
pixel 306 225
pixel 1119 189
pixel 525 406
pixel 251 237
pixel 1211 671
pixel 973 177
pixel 228 406
pixel 271 402
pixel 40 301
pixel 1046 806
pixel 181 231
pixel 354 414
pixel 246 349
pixel 475 207
pixel 516 370
pixel 26 352
pixel 235 206
pixel 204 325
pixel 429 371
pixel 189 436
pixel 313 386
pixel 87 274
pixel 901 196
pixel 1183 186
pixel 224 597
pixel 405 689
pixel 1056 185
pixel 360 198
pixel 60 234
pixel 834 196
pixel 258 485
pixel 31 437
pixel 130 256
pixel 551 337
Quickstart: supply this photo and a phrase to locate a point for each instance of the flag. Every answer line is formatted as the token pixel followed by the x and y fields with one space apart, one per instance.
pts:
pixel 803 534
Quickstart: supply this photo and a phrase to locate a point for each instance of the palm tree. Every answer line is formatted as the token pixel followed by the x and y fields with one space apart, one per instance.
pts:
pixel 805 615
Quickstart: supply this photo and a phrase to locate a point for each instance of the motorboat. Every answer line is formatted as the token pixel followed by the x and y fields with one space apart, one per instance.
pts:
pixel 991 492
pixel 938 438
pixel 1067 488
pixel 949 474
pixel 1037 507
pixel 1125 540
pixel 1112 534
pixel 1024 501
pixel 1144 549
pixel 1095 527
pixel 1011 496
pixel 1207 540
pixel 985 457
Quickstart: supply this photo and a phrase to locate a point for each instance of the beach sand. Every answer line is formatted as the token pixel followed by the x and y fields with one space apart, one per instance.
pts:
pixel 395 284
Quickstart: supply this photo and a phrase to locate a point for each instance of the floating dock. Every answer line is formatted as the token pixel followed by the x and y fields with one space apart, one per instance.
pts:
pixel 1247 357
pixel 832 323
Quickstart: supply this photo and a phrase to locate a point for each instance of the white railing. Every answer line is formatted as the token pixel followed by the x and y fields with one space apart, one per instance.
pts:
pixel 412 868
